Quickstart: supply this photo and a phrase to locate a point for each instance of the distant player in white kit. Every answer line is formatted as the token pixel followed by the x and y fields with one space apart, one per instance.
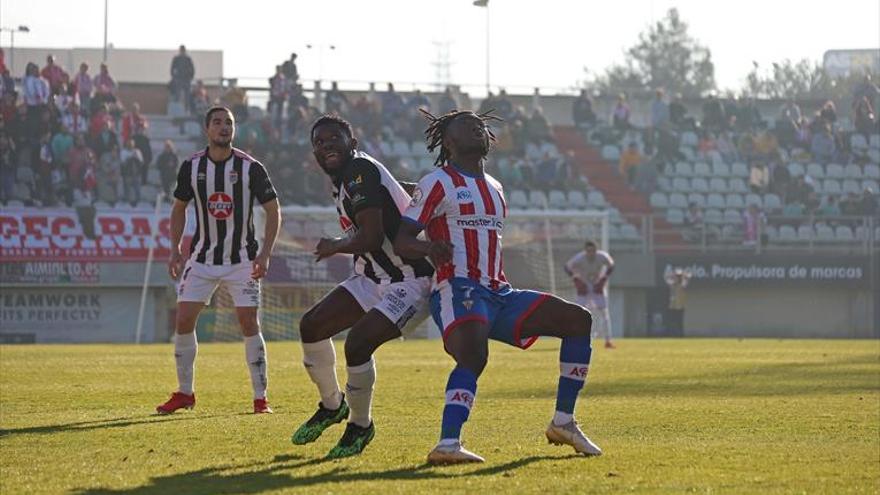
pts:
pixel 589 270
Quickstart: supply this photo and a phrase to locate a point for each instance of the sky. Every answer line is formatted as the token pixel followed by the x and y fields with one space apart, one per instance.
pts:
pixel 543 43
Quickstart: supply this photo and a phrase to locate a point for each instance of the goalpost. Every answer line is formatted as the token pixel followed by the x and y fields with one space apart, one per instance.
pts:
pixel 536 245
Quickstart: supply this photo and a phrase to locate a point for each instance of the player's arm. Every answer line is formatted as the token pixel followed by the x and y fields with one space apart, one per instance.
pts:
pixel 262 189
pixel 409 187
pixel 408 245
pixel 183 194
pixel 579 284
pixel 369 236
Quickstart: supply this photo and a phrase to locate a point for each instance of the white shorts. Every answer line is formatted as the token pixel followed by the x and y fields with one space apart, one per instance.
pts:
pixel 199 281
pixel 592 301
pixel 399 302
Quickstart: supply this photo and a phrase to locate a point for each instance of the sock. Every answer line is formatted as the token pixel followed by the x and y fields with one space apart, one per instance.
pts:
pixel 359 392
pixel 319 358
pixel 461 389
pixel 574 362
pixel 185 349
pixel 255 353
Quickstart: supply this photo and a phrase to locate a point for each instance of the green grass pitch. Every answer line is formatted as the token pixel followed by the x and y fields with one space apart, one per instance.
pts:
pixel 673 416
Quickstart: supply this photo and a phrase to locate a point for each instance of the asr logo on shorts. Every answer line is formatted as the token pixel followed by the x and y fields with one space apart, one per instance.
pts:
pixel 468 304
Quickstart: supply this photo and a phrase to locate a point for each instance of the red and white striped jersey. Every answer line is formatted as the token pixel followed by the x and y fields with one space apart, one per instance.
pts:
pixel 469 212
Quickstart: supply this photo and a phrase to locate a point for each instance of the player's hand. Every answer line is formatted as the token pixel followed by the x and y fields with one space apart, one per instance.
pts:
pixel 440 253
pixel 600 284
pixel 175 264
pixel 261 266
pixel 326 247
pixel 579 285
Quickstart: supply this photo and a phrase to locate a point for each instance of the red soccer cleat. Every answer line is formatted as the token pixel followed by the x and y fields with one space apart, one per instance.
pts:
pixel 177 401
pixel 261 406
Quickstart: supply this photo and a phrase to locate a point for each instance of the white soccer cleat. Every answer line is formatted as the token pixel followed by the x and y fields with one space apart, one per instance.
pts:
pixel 452 454
pixel 571 434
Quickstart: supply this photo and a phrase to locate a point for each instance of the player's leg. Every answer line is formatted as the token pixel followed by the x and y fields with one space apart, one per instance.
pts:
pixel 462 315
pixel 548 315
pixel 606 325
pixel 338 310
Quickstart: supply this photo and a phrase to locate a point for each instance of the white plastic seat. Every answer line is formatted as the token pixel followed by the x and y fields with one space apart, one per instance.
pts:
pixel 772 232
pixel 850 185
pixel 385 148
pixel 717 184
pixel 518 199
pixel 754 199
pixel 739 169
pixel 537 199
pixel 874 155
pixel 772 202
pixel 872 171
pixel 805 233
pixel 870 184
pixel 702 169
pixel 844 233
pixel 831 186
pixel 875 141
pixel 697 198
pixel 816 171
pixel 689 138
pixel 734 201
pixel 577 199
pixel 557 199
pixel 628 231
pixel 596 198
pixel 852 171
pixel 678 200
pixel 684 169
pixel 610 153
pixel 664 183
pixel 796 169
pixel 675 216
pixel 680 184
pixel 738 186
pixel 732 216
pixel 715 200
pixel 824 233
pixel 720 169
pixel 835 171
pixel 659 200
pixel 858 142
pixel 699 184
pixel 713 216
pixel 787 233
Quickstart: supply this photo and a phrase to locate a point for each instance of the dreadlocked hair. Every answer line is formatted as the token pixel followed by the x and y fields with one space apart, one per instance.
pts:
pixel 437 130
pixel 332 118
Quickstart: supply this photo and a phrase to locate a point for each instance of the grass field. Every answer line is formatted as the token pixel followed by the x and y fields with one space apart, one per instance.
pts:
pixel 673 416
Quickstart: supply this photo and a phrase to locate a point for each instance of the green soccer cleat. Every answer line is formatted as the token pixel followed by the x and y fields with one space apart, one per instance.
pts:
pixel 353 441
pixel 322 419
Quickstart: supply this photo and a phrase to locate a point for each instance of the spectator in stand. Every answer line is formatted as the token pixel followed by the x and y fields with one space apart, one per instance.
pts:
pixel 545 172
pixel 104 139
pixel 630 159
pixel 135 126
pixel 829 113
pixel 714 117
pixel 868 205
pixel 199 99
pixel 43 171
pixel 753 222
pixel 235 98
pixel 297 110
pixel 448 102
pixel 646 177
pixel 74 120
pixel 105 86
pixel 693 222
pixel 677 282
pixel 109 176
pixel 62 143
pixel 277 96
pixel 63 100
pixel 81 160
pixel 678 114
pixel 7 84
pixel 167 162
pixel 780 179
pixel 759 178
pixel 291 73
pixel 538 128
pixel 35 93
pixel 822 146
pixel 659 110
pixel 748 115
pixel 2 60
pixel 667 149
pixel 418 100
pixel 766 146
pixel 864 119
pixel 726 147
pixel 54 75
pixel 794 212
pixel 798 191
pixel 84 87
pixel 132 172
pixel 620 114
pixel 182 73
pixel 582 111
pixel 392 104
pixel 706 145
pixel 335 100
pixel 829 207
pixel 8 165
pixel 503 106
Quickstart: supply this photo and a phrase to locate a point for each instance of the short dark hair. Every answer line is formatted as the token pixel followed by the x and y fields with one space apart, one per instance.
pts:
pixel 591 243
pixel 332 118
pixel 213 109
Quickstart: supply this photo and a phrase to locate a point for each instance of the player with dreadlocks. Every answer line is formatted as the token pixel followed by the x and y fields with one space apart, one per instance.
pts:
pixel 462 210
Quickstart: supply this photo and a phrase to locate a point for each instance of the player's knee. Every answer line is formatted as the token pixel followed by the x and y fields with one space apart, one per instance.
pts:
pixel 473 359
pixel 579 320
pixel 358 350
pixel 310 327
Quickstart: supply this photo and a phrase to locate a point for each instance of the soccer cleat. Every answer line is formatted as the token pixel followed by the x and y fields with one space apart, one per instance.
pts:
pixel 353 441
pixel 322 419
pixel 261 406
pixel 177 401
pixel 571 434
pixel 452 454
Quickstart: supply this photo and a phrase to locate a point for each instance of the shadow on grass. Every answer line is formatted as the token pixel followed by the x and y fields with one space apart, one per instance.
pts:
pixel 100 424
pixel 739 380
pixel 275 475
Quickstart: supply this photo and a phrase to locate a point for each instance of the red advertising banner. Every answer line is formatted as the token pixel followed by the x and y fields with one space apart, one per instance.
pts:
pixel 31 234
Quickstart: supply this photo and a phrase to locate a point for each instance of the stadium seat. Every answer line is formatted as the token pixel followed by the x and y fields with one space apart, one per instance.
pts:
pixel 659 200
pixel 385 148
pixel 697 198
pixel 732 216
pixel 610 153
pixel 614 232
pixel 796 169
pixel 681 184
pixel 852 171
pixel 874 155
pixel 558 200
pixel 702 169
pixel 830 186
pixel 875 141
pixel 714 157
pixel 518 199
pixel 787 233
pixel 689 138
pixel 730 231
pixel 870 184
pixel 577 199
pixel 596 199
pixel 816 171
pixel 548 147
pixel 154 177
pixel 678 200
pixel 850 185
pixel 537 199
pixel 533 152
pixel 688 153
pixel 834 171
pixel 713 216
pixel 772 202
pixel 675 216
pixel 700 184
pixel 24 174
pixel 754 199
pixel 734 200
pixel 739 169
pixel 805 233
pixel 614 215
pixel 717 184
pixel 844 233
pixel 872 171
pixel 102 205
pixel 684 169
pixel 877 234
pixel 772 232
pixel 721 169
pixel 22 192
pixel 858 142
pixel 401 148
pixel 14 203
pixel 628 231
pixel 824 233
pixel 738 186
pixel 715 200
pixel 664 184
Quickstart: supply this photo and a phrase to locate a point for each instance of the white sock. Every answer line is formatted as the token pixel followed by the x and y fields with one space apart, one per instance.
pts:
pixel 561 418
pixel 359 392
pixel 185 349
pixel 319 358
pixel 255 353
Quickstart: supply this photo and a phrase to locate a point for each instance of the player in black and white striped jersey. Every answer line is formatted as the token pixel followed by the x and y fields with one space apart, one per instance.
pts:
pixel 224 183
pixel 384 294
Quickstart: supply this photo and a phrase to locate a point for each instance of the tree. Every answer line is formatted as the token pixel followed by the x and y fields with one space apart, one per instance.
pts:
pixel 666 56
pixel 802 80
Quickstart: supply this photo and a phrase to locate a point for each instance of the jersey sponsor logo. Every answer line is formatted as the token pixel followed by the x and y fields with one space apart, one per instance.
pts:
pixel 464 195
pixel 405 317
pixel 354 182
pixel 220 205
pixel 233 177
pixel 416 196
pixel 490 222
